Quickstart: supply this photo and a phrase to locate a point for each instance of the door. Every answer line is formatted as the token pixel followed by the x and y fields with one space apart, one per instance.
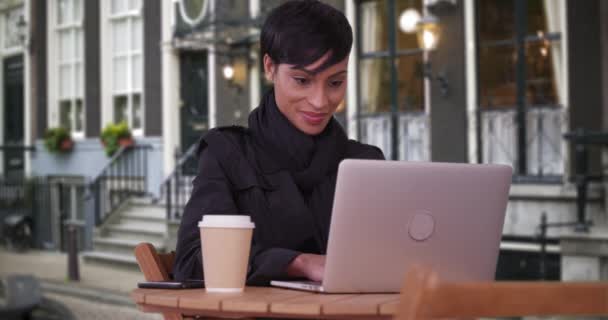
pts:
pixel 194 109
pixel 14 158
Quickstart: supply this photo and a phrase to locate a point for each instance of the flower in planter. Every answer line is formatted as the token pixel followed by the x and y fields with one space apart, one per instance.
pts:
pixel 115 136
pixel 58 140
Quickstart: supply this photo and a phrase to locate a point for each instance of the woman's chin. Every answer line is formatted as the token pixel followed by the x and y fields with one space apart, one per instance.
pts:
pixel 310 129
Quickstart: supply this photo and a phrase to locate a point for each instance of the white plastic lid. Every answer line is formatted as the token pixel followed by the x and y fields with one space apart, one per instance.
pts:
pixel 226 221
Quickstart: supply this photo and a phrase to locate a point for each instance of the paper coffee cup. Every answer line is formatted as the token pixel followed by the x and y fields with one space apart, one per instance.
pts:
pixel 225 242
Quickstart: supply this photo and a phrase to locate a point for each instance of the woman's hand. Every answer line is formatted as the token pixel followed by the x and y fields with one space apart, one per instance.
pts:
pixel 307 265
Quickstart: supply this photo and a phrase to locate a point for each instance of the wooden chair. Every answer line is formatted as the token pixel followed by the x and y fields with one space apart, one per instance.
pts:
pixel 156 267
pixel 425 297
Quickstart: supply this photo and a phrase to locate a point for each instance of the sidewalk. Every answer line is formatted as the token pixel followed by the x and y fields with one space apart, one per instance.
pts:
pixel 102 283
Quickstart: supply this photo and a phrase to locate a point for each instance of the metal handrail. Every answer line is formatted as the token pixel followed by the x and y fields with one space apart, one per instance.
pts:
pixel 124 175
pixel 172 193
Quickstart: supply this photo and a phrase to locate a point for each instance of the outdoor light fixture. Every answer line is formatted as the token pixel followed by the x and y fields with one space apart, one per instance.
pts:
pixel 22 31
pixel 228 71
pixel 235 72
pixel 428 35
pixel 427 31
pixel 408 21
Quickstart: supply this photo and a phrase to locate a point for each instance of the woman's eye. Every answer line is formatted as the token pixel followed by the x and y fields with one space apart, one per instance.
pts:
pixel 301 81
pixel 336 83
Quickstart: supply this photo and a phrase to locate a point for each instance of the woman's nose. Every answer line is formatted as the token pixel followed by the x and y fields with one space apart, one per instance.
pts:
pixel 319 99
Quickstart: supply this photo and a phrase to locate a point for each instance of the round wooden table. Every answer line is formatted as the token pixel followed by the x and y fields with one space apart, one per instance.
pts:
pixel 266 302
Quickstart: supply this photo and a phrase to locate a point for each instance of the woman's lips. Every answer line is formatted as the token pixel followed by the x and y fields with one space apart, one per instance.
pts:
pixel 313 118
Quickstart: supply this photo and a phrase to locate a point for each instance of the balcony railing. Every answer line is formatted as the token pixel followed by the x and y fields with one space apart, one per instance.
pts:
pixel 413 134
pixel 544 144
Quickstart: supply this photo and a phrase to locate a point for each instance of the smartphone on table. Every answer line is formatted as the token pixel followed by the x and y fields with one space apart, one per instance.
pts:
pixel 188 284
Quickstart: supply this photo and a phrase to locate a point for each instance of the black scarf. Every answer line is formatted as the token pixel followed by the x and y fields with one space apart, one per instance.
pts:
pixel 312 161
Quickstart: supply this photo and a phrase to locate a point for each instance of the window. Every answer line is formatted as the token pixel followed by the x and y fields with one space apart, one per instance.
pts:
pixel 127 58
pixel 12 34
pixel 533 86
pixel 391 88
pixel 70 69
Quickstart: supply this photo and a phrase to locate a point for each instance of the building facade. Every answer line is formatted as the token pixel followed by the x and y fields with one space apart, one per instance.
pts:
pixel 507 80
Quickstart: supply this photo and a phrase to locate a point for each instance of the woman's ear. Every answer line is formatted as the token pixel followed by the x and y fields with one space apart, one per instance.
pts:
pixel 269 68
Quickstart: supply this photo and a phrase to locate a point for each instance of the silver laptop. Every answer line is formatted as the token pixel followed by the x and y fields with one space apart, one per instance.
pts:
pixel 389 215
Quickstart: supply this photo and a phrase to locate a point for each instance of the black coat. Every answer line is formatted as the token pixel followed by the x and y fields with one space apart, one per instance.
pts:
pixel 232 179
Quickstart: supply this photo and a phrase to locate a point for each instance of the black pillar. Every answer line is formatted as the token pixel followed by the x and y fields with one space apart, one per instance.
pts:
pixel 153 77
pixel 449 113
pixel 92 74
pixel 38 43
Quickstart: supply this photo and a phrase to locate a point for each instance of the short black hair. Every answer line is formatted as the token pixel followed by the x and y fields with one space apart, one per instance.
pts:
pixel 300 32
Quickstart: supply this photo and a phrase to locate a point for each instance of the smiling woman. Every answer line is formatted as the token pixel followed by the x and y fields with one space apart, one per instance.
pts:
pixel 282 169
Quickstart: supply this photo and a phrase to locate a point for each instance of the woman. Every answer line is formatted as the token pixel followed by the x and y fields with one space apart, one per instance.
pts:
pixel 282 169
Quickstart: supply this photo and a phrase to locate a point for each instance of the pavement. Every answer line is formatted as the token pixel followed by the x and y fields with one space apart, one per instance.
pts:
pixel 101 293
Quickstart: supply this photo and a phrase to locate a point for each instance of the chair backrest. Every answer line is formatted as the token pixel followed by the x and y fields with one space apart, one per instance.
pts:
pixel 425 297
pixel 155 266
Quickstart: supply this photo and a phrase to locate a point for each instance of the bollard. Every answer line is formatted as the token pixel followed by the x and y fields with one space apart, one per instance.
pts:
pixel 72 246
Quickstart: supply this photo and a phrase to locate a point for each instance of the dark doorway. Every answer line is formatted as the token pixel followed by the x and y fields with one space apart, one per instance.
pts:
pixel 13 117
pixel 193 90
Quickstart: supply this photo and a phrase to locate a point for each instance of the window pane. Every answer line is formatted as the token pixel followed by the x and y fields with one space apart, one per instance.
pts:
pixel 497 76
pixel 375 86
pixel 137 111
pixel 137 72
pixel 411 82
pixel 77 11
pixel 537 21
pixel 136 35
pixel 65 81
pixel 120 109
pixel 119 6
pixel 541 85
pixel 65 114
pixel 66 46
pixel 79 116
pixel 374 36
pixel 78 40
pixel 63 12
pixel 134 4
pixel 406 40
pixel 79 80
pixel 496 19
pixel 120 73
pixel 120 36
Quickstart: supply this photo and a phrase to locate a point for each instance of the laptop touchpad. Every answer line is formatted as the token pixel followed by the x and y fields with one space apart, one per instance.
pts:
pixel 421 226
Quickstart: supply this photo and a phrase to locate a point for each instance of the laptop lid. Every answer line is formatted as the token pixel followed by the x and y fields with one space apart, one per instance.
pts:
pixel 389 215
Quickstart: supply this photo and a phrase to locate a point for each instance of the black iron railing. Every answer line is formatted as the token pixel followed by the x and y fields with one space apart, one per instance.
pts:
pixel 177 186
pixel 125 175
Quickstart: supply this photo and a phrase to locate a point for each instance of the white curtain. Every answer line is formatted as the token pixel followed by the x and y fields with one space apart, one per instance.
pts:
pixel 371 41
pixel 555 23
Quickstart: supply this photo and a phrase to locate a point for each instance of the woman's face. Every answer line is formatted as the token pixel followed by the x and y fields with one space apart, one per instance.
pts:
pixel 308 99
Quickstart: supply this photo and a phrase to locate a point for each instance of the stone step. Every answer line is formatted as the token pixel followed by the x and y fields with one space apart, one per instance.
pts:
pixel 145 213
pixel 134 232
pixel 122 246
pixel 108 258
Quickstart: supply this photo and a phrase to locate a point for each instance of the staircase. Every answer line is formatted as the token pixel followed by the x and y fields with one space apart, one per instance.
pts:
pixel 135 221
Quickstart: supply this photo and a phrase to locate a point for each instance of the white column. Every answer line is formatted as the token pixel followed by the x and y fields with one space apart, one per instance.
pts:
pixel 352 76
pixel 27 90
pixel 212 75
pixel 2 108
pixel 170 87
pixel 471 79
pixel 254 71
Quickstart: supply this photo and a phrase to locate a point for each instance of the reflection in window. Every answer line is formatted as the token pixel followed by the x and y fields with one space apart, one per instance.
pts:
pixel 542 89
pixel 498 54
pixel 127 55
pixel 70 62
pixel 383 67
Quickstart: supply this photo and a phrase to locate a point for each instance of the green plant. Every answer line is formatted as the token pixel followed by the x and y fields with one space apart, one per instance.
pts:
pixel 114 135
pixel 58 140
